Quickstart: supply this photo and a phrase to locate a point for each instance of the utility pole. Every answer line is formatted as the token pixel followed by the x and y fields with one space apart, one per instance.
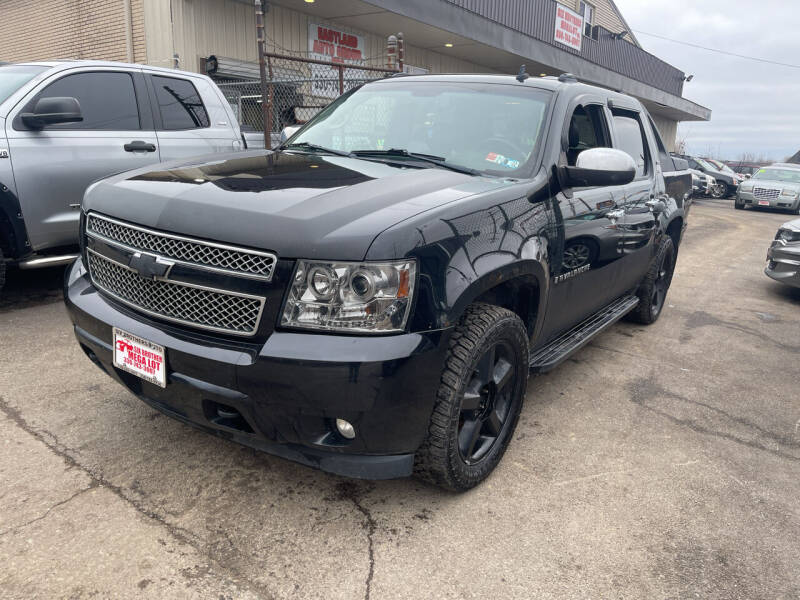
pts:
pixel 266 104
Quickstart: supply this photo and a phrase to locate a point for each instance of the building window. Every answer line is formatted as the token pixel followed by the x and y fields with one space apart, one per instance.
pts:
pixel 587 11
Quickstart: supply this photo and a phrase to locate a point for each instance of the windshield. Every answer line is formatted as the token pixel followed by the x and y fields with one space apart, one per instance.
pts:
pixel 706 165
pixel 786 175
pixel 487 127
pixel 13 77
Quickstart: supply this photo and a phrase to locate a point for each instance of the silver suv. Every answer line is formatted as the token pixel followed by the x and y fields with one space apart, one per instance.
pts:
pixel 64 125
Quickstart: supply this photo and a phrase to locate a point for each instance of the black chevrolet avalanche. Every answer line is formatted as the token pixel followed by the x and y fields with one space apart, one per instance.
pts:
pixel 370 297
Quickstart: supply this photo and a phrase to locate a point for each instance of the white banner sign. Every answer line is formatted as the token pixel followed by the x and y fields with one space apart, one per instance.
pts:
pixel 569 27
pixel 331 44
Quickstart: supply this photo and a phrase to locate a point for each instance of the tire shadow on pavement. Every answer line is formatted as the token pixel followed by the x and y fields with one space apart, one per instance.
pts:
pixel 31 288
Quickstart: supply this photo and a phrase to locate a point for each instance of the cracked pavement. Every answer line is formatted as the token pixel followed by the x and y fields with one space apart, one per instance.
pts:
pixel 658 462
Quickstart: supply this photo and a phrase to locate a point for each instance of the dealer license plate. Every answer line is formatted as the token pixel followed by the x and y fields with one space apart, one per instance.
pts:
pixel 763 202
pixel 140 357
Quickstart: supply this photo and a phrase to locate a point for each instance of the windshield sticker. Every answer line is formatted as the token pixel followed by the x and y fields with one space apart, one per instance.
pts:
pixel 501 160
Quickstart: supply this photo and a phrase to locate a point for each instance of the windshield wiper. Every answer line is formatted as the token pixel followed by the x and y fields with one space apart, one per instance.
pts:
pixel 314 148
pixel 439 161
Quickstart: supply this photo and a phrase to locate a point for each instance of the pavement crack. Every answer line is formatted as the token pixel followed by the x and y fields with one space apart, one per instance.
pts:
pixel 644 390
pixel 50 509
pixel 349 490
pixel 97 480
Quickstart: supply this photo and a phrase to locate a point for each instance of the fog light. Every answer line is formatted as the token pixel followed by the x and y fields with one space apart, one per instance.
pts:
pixel 346 429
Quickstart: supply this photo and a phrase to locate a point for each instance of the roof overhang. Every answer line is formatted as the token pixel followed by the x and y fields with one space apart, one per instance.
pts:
pixel 430 24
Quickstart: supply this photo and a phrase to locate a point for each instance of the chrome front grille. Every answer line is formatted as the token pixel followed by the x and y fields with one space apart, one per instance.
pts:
pixel 198 253
pixel 197 306
pixel 765 193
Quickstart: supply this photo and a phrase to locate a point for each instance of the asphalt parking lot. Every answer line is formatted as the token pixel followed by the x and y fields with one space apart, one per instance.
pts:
pixel 659 462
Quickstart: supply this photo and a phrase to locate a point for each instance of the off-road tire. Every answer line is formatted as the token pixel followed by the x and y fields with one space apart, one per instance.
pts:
pixel 658 279
pixel 483 327
pixel 2 270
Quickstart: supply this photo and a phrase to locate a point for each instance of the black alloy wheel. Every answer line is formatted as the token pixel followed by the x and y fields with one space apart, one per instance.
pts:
pixel 652 291
pixel 486 403
pixel 662 281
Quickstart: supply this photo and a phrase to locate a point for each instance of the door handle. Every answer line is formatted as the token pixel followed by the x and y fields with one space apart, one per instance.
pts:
pixel 139 146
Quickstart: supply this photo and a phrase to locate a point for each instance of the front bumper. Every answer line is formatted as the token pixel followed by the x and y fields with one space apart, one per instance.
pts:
pixel 782 202
pixel 783 263
pixel 287 392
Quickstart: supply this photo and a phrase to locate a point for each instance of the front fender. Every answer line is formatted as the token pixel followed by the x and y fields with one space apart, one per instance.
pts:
pixel 463 291
pixel 13 234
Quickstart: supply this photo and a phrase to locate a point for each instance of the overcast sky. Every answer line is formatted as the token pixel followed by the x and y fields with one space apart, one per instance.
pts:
pixel 754 105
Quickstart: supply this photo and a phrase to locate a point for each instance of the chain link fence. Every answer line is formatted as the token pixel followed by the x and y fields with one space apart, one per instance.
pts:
pixel 297 89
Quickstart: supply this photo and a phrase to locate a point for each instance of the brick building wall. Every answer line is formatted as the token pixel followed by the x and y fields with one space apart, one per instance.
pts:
pixel 78 29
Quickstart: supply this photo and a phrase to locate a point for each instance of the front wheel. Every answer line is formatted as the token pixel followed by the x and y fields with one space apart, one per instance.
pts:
pixel 653 289
pixel 719 190
pixel 2 270
pixel 478 401
pixel 738 204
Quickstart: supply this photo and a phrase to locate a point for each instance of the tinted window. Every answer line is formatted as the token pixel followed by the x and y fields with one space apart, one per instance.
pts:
pixel 179 103
pixel 587 129
pixel 107 100
pixel 631 139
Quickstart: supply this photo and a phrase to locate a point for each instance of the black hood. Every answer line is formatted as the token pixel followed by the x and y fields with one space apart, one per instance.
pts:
pixel 297 205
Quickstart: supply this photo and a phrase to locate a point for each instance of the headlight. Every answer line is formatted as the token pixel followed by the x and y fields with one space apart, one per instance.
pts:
pixel 788 235
pixel 354 297
pixel 789 192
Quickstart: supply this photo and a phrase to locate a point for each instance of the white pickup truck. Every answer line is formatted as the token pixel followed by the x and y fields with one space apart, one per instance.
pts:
pixel 64 125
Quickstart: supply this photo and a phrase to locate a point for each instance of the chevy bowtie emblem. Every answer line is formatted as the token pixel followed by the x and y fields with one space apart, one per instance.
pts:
pixel 150 266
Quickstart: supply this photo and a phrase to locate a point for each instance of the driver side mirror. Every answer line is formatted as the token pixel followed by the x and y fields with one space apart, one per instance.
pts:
pixel 288 132
pixel 49 111
pixel 597 167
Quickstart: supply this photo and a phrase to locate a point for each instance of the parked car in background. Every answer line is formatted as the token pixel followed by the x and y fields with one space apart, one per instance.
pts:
pixel 724 168
pixel 370 298
pixel 65 124
pixel 702 183
pixel 776 186
pixel 745 169
pixel 725 183
pixel 783 256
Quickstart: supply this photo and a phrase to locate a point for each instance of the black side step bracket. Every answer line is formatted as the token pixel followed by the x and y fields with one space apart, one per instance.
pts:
pixel 568 342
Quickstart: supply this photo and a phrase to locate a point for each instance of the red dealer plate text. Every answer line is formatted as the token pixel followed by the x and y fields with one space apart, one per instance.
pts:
pixel 140 357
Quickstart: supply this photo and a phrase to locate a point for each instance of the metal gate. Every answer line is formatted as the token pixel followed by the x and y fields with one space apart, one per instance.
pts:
pixel 297 89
